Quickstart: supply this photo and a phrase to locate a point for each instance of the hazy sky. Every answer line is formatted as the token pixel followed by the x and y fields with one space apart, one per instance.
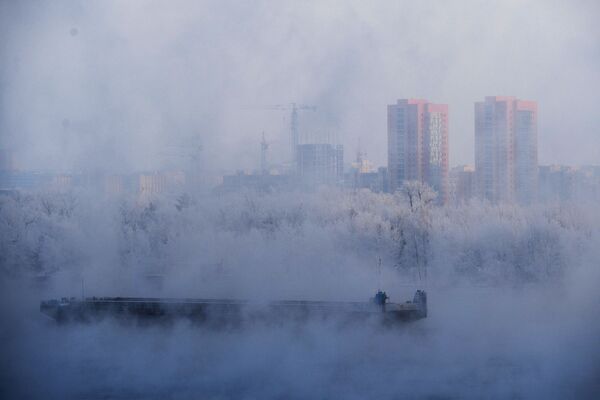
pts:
pixel 117 84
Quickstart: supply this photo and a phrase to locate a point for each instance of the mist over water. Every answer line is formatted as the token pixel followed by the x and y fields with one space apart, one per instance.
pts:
pixel 476 343
pixel 109 89
pixel 512 298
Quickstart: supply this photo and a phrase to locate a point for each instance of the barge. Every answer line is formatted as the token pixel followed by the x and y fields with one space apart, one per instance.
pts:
pixel 232 312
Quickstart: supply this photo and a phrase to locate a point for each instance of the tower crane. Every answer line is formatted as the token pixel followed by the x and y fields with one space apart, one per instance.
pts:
pixel 293 108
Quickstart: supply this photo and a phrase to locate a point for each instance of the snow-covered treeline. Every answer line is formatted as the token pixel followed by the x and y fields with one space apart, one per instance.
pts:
pixel 290 239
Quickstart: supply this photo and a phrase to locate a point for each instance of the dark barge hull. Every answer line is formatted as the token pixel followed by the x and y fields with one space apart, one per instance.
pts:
pixel 229 312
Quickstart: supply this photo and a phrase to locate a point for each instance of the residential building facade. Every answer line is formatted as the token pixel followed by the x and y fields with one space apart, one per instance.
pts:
pixel 418 144
pixel 506 149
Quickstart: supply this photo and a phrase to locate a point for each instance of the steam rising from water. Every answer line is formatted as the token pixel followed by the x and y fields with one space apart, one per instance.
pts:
pixel 110 87
pixel 477 343
pixel 513 298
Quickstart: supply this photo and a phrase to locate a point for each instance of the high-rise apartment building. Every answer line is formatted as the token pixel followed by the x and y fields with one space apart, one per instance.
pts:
pixel 418 144
pixel 506 166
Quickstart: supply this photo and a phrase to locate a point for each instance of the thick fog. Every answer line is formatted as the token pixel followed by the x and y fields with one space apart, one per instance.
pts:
pixel 102 85
pixel 94 88
pixel 513 296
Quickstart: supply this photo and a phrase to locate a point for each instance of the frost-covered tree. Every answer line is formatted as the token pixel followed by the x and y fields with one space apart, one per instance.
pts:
pixel 260 236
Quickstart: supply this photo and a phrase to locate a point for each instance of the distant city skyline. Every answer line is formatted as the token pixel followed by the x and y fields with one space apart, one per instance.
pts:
pixel 83 88
pixel 18 163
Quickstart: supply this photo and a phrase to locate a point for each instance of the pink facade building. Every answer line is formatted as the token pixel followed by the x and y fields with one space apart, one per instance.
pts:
pixel 418 144
pixel 506 166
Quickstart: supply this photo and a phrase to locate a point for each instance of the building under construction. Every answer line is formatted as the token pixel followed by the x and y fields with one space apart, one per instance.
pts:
pixel 320 164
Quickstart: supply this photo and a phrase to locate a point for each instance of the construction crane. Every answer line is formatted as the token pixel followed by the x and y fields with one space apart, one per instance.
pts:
pixel 294 109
